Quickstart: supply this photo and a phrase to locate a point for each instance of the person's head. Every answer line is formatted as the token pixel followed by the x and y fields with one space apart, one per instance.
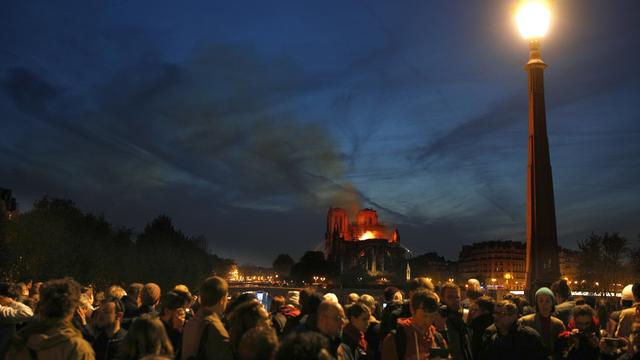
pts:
pixel 109 314
pixel 134 290
pixel 419 283
pixel 276 303
pixel 358 315
pixel 450 294
pixel 561 290
pixel 583 318
pixel 213 293
pixel 240 299
pixel 259 343
pixel 626 300
pixel 474 290
pixel 544 302
pixel 330 297
pixel 392 293
pixel 424 307
pixel 331 318
pixel 23 290
pixel 481 306
pixel 59 298
pixel 146 336
pixel 172 309
pixel 116 291
pixel 293 298
pixel 245 317
pixel 352 298
pixel 369 301
pixel 311 303
pixel 150 294
pixel 505 315
pixel 303 296
pixel 304 346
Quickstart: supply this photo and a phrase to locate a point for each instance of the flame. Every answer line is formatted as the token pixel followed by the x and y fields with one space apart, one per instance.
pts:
pixel 367 235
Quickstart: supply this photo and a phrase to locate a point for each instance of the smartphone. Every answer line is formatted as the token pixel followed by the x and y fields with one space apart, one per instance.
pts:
pixel 384 305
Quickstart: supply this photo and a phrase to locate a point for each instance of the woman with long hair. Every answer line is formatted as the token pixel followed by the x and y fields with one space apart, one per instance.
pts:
pixel 246 316
pixel 146 336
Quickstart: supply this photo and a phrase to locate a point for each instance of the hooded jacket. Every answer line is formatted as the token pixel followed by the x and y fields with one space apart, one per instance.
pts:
pixel 49 339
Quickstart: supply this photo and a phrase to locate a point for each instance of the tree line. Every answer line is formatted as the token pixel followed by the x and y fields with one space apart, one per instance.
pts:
pixel 56 239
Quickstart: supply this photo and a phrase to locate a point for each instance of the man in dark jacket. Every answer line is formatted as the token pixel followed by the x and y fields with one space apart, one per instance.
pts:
pixel 481 315
pixel 107 333
pixel 505 339
pixel 457 332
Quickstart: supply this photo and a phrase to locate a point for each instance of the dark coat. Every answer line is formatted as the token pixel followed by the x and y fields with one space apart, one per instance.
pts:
pixel 522 343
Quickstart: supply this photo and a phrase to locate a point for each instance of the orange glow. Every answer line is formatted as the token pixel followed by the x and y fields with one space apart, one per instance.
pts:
pixel 367 235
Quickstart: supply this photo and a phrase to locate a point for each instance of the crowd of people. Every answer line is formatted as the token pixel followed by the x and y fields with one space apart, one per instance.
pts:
pixel 60 319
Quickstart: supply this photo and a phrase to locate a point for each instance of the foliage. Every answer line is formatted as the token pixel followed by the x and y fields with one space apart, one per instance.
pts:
pixel 602 259
pixel 283 264
pixel 312 264
pixel 56 239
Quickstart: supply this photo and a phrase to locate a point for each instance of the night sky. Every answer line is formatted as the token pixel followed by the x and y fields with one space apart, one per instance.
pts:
pixel 244 121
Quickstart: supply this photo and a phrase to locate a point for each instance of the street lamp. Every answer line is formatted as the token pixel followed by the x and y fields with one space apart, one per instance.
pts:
pixel 533 18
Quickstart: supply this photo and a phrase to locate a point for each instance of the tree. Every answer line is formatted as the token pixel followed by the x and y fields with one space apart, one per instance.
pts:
pixel 602 259
pixel 312 264
pixel 282 264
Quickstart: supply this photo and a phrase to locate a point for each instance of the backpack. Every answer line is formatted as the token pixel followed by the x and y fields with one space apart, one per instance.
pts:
pixel 400 338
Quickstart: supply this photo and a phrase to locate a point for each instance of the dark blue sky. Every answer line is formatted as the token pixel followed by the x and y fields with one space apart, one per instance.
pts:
pixel 245 121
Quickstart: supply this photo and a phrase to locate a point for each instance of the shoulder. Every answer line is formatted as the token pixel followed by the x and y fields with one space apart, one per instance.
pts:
pixel 215 326
pixel 81 349
pixel 527 319
pixel 528 331
pixel 628 312
pixel 556 322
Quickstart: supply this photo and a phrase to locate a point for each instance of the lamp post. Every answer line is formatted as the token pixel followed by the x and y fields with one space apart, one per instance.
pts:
pixel 533 17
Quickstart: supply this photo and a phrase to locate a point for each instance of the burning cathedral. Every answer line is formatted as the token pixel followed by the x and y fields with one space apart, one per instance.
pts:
pixel 365 250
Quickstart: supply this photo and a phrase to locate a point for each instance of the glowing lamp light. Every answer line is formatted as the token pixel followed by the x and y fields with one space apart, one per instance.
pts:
pixel 533 18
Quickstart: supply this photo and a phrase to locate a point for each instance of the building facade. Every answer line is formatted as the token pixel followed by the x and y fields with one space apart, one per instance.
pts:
pixel 503 263
pixel 494 263
pixel 365 249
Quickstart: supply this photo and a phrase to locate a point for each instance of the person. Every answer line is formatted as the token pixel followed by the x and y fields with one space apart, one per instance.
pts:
pixel 304 346
pixel 564 304
pixel 474 291
pixel 245 317
pixel 456 332
pixel 278 320
pixel 107 334
pixel 173 317
pixel 549 327
pixel 354 344
pixel 481 315
pixel 633 344
pixel 132 300
pixel 372 334
pixel 626 301
pixel 329 322
pixel 416 337
pixel 582 340
pixel 393 304
pixel 506 339
pixel 115 291
pixel 146 337
pixel 602 312
pixel 259 343
pixel 149 298
pixel 53 336
pixel 204 336
pixel 628 316
pixel 12 313
pixel 352 298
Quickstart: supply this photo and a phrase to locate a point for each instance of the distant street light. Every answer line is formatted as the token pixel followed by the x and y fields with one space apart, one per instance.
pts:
pixel 542 265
